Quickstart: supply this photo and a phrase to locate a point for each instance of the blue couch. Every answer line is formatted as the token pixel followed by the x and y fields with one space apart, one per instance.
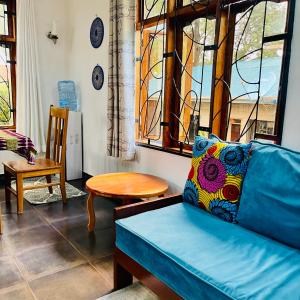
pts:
pixel 190 254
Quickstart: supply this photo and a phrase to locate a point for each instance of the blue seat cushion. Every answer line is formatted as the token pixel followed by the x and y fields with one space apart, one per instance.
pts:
pixel 270 200
pixel 201 256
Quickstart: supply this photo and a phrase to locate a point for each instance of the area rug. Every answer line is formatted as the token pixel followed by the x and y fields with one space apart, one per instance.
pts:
pixel 134 292
pixel 42 196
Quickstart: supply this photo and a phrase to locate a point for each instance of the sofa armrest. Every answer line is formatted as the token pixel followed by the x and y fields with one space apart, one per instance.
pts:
pixel 138 208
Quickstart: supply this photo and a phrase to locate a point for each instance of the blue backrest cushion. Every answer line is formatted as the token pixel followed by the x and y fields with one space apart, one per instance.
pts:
pixel 270 200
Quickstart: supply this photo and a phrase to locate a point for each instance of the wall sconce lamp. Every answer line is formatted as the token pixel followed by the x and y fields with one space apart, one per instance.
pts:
pixel 52 35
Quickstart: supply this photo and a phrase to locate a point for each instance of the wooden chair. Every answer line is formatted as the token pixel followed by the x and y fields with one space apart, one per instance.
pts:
pixel 54 163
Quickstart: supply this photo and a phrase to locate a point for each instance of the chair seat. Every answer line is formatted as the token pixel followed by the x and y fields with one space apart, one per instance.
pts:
pixel 22 166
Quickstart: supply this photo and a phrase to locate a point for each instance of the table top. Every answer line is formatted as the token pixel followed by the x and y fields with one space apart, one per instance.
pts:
pixel 127 185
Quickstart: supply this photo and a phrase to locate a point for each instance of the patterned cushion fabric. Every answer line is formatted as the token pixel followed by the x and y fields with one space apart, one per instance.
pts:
pixel 215 179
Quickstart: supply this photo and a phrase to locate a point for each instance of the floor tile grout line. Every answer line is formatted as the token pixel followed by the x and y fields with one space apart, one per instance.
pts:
pixel 102 258
pixel 61 234
pixel 11 259
pixel 74 246
pixel 23 277
pixel 21 229
pixel 39 276
pixel 89 261
pixel 12 288
pixel 14 258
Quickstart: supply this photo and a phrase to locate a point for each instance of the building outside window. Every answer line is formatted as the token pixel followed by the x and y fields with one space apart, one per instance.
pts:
pixel 211 66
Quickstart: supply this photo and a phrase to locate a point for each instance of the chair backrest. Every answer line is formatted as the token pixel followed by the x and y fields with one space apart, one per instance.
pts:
pixel 58 122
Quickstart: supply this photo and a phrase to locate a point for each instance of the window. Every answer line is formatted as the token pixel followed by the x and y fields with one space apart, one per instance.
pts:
pixel 211 66
pixel 7 63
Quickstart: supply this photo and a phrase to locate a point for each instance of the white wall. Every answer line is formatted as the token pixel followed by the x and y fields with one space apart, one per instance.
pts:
pixel 80 58
pixel 291 133
pixel 172 167
pixel 52 58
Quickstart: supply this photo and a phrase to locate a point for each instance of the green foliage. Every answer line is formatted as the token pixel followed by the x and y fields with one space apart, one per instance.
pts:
pixel 5 114
pixel 201 31
pixel 154 7
pixel 251 39
pixel 248 32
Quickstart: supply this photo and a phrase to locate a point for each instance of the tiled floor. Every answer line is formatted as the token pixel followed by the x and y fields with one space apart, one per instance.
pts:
pixel 47 252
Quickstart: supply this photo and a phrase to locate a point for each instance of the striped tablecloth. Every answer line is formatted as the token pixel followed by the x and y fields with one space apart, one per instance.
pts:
pixel 10 140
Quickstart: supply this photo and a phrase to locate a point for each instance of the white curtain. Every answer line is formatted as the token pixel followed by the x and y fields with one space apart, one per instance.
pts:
pixel 29 103
pixel 121 80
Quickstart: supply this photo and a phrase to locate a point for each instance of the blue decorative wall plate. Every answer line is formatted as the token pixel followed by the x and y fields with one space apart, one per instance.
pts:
pixel 97 33
pixel 98 77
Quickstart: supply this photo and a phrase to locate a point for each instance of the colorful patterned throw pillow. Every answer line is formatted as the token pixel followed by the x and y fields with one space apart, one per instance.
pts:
pixel 215 179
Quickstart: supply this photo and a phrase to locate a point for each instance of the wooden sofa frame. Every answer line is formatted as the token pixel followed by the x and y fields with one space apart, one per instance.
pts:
pixel 125 267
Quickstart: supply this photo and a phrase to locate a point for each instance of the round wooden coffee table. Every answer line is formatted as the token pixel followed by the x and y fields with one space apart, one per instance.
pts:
pixel 129 187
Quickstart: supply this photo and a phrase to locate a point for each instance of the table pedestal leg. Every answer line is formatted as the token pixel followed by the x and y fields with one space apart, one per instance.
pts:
pixel 91 212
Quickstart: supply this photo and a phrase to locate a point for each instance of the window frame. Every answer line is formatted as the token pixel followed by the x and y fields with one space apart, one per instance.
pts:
pixel 10 39
pixel 218 97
